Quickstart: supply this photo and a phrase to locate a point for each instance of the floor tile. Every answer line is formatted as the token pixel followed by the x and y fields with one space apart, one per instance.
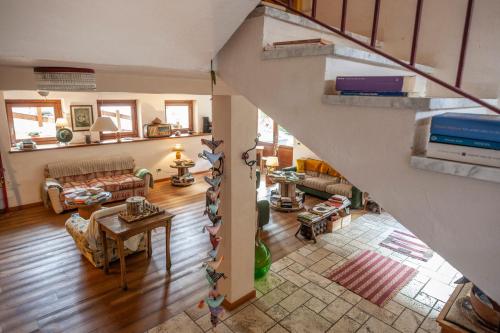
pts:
pixel 412 304
pixel 408 321
pixel 429 324
pixel 394 307
pixel 293 277
pixel 269 282
pixel 277 329
pixel 350 297
pixel 195 313
pixel 316 278
pixel 425 299
pixel 271 298
pixel 336 289
pixel 315 304
pixel 438 290
pixel 319 254
pixel 373 325
pixel 179 323
pixel 296 267
pixel 335 310
pixel 322 265
pixel 280 264
pixel 300 259
pixel 358 315
pixel 412 288
pixel 344 325
pixel 220 328
pixel 250 319
pixel 305 320
pixel 277 312
pixel 374 310
pixel 295 300
pixel 288 287
pixel 304 251
pixel 320 293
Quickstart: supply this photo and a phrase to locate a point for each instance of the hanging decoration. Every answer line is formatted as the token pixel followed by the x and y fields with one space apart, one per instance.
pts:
pixel 214 299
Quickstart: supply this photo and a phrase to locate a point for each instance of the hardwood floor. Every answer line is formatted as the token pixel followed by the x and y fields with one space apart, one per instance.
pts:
pixel 47 286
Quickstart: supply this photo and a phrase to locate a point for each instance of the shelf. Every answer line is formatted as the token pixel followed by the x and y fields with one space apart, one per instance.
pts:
pixel 480 172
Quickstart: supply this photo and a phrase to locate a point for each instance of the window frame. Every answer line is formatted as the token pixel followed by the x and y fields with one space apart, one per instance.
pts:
pixel 10 103
pixel 189 103
pixel 275 141
pixel 120 102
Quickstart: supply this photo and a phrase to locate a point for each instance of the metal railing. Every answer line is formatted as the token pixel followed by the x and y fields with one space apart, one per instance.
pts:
pixel 288 4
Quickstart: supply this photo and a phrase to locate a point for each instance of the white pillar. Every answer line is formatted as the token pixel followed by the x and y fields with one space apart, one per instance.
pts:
pixel 235 122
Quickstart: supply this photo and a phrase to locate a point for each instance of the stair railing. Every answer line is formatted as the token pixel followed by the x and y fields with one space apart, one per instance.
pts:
pixel 288 4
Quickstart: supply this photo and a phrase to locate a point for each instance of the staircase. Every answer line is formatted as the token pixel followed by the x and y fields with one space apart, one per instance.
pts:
pixel 378 143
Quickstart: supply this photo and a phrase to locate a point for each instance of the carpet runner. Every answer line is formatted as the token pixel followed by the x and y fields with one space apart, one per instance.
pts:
pixel 373 276
pixel 407 244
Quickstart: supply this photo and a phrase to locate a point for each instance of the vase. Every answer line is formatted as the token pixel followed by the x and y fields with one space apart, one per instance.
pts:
pixel 262 258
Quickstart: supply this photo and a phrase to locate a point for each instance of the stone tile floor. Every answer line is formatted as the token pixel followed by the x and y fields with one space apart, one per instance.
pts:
pixel 296 296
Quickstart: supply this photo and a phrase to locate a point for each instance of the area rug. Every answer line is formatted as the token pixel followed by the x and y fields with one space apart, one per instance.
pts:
pixel 373 276
pixel 407 244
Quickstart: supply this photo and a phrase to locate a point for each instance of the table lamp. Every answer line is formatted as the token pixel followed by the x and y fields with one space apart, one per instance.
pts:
pixel 272 163
pixel 103 124
pixel 178 148
pixel 61 123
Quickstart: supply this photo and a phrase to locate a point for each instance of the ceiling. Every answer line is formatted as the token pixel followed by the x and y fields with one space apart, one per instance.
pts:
pixel 169 35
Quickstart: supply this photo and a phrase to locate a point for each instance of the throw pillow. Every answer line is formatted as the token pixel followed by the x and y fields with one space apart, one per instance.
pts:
pixel 324 168
pixel 313 165
pixel 301 164
pixel 332 172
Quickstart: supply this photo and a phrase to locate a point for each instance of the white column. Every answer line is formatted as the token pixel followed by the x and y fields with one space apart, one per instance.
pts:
pixel 235 122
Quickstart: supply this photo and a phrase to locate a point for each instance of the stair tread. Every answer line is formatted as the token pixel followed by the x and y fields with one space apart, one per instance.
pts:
pixel 335 51
pixel 456 168
pixel 304 22
pixel 413 103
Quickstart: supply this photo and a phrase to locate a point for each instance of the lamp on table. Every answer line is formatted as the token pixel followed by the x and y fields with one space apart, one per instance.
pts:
pixel 178 148
pixel 272 163
pixel 104 124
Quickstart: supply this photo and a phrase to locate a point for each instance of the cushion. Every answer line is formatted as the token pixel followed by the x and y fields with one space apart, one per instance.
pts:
pixel 334 173
pixel 326 176
pixel 301 164
pixel 313 165
pixel 342 189
pixel 317 183
pixel 312 173
pixel 128 181
pixel 324 168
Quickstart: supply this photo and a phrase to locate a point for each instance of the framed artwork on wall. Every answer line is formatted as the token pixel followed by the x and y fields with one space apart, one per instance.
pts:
pixel 82 117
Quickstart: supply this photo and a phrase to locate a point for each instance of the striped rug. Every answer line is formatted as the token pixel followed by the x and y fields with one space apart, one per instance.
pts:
pixel 407 244
pixel 373 276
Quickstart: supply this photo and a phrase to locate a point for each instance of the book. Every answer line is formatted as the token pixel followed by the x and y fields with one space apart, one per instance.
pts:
pixel 469 126
pixel 314 41
pixel 384 93
pixel 488 157
pixel 454 140
pixel 376 83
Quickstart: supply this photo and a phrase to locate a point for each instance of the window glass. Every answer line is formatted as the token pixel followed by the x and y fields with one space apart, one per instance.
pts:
pixel 284 138
pixel 265 127
pixel 125 112
pixel 178 115
pixel 37 121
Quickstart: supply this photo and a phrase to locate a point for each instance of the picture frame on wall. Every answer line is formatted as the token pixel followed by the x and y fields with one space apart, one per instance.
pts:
pixel 82 117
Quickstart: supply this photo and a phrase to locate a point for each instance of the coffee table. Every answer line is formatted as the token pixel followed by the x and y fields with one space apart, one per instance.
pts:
pixel 86 209
pixel 286 188
pixel 112 226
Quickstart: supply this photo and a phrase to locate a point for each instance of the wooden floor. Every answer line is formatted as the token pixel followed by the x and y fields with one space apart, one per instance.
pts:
pixel 47 286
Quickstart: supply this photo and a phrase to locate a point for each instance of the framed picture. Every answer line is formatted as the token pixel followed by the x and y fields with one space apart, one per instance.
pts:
pixel 82 117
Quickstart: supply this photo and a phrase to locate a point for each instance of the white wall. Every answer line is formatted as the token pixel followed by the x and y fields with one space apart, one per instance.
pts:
pixel 25 170
pixel 300 151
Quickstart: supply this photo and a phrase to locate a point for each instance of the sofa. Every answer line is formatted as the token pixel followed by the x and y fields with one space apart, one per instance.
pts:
pixel 88 240
pixel 323 181
pixel 117 175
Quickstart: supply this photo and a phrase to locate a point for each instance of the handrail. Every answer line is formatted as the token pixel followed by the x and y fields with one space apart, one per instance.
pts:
pixel 410 66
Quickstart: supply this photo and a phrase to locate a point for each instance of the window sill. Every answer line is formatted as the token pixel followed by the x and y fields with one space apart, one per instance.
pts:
pixel 14 150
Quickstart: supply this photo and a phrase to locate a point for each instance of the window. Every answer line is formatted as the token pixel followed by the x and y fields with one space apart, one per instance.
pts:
pixel 127 110
pixel 271 132
pixel 180 114
pixel 265 127
pixel 34 119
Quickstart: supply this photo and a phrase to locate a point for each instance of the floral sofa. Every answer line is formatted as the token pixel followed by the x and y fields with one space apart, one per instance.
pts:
pixel 88 240
pixel 323 181
pixel 117 175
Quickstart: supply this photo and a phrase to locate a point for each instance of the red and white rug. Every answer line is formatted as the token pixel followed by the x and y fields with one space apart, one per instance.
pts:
pixel 407 244
pixel 373 276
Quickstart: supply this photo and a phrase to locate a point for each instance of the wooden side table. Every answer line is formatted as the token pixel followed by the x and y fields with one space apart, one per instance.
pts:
pixel 112 226
pixel 183 178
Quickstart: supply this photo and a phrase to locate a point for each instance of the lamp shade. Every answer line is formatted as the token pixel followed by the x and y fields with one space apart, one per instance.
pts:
pixel 61 123
pixel 272 161
pixel 178 147
pixel 104 124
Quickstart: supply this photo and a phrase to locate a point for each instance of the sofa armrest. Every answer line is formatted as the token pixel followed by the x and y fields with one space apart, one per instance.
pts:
pixel 51 189
pixel 292 168
pixel 357 197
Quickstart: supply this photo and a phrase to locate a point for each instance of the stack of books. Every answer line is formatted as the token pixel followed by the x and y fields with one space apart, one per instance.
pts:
pixel 338 201
pixel 398 86
pixel 468 138
pixel 286 202
pixel 308 217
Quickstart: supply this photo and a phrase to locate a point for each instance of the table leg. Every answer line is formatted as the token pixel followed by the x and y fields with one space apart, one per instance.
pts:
pixel 149 250
pixel 105 250
pixel 123 268
pixel 313 234
pixel 167 245
pixel 300 227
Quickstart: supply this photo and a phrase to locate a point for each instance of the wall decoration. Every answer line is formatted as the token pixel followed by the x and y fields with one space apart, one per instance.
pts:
pixel 245 156
pixel 82 117
pixel 214 299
